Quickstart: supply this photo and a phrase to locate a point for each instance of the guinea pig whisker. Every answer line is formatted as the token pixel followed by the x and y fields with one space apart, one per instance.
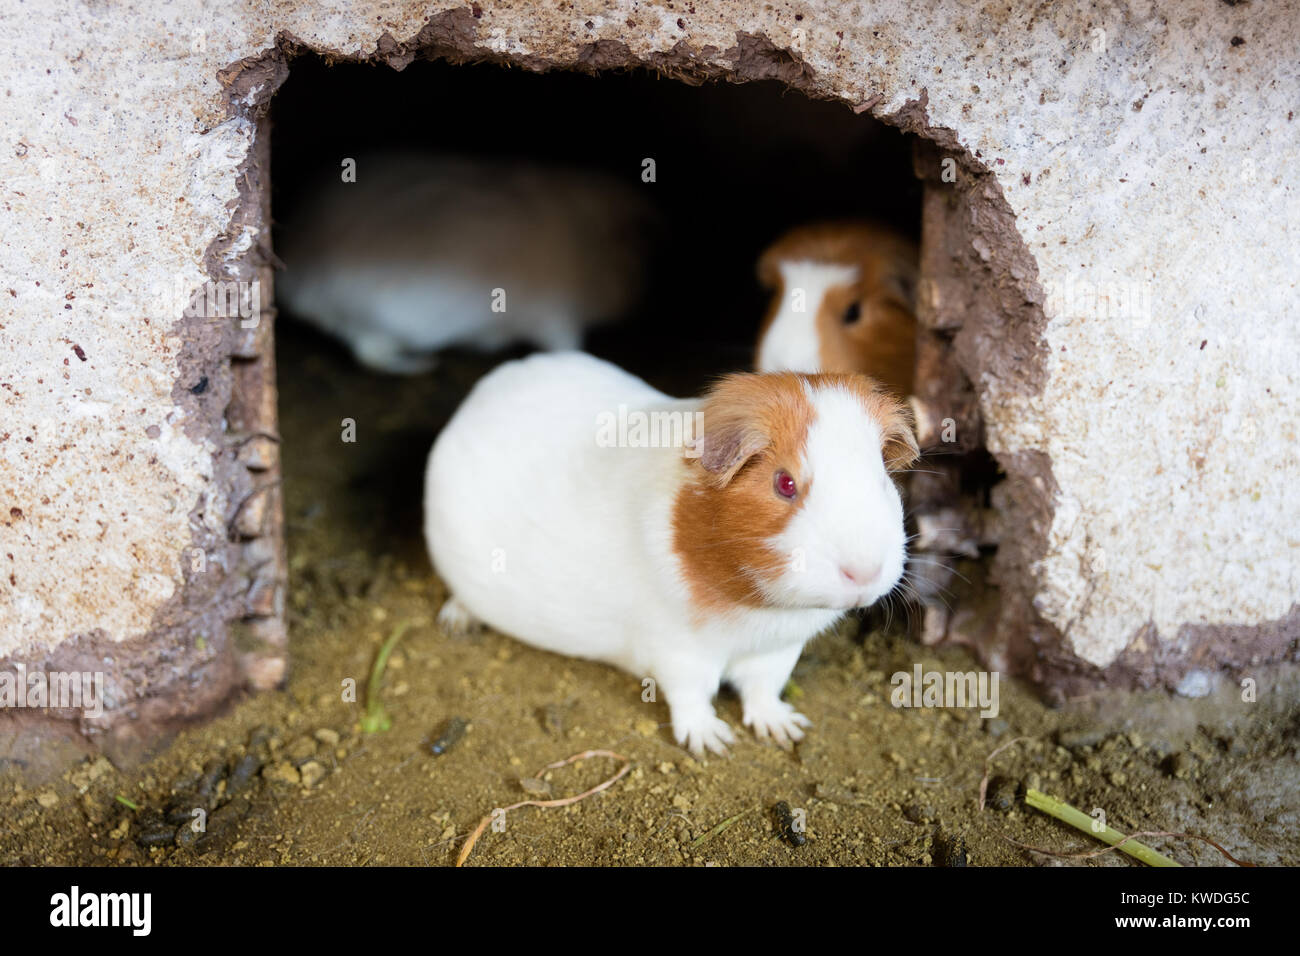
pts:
pixel 938 452
pixel 929 591
pixel 922 557
pixel 931 562
pixel 926 585
pixel 932 589
pixel 911 616
pixel 942 595
pixel 889 611
pixel 906 589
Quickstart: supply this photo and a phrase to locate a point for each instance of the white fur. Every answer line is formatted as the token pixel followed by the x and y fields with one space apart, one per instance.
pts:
pixel 791 342
pixel 853 517
pixel 542 533
pixel 405 261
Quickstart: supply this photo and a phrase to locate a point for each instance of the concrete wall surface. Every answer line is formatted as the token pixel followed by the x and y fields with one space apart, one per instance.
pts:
pixel 1145 150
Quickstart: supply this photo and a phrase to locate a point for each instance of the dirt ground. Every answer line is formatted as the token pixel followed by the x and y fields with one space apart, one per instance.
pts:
pixel 290 778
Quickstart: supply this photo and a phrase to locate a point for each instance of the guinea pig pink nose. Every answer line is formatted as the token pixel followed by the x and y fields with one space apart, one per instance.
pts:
pixel 862 575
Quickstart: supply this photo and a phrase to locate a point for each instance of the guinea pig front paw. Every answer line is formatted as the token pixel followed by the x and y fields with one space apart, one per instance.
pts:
pixel 703 731
pixel 775 719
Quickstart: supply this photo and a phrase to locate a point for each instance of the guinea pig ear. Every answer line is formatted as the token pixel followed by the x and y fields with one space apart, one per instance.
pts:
pixel 898 445
pixel 769 268
pixel 901 283
pixel 897 436
pixel 732 428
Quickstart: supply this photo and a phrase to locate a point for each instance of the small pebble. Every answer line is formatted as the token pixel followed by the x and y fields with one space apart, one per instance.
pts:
pixel 451 734
pixel 282 771
pixel 919 813
pixel 1080 737
pixel 301 749
pixel 534 786
pixel 1194 684
pixel 311 773
pixel 90 772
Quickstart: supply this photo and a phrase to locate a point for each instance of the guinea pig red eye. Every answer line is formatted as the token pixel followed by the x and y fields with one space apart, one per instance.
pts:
pixel 785 486
pixel 852 313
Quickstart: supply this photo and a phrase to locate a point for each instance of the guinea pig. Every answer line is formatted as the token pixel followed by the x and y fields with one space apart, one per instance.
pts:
pixel 844 300
pixel 690 541
pixel 421 253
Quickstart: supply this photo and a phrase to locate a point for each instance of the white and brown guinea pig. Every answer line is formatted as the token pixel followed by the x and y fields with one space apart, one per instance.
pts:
pixel 691 563
pixel 426 252
pixel 844 300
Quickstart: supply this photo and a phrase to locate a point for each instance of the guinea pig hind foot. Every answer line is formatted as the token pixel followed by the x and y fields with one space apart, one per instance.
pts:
pixel 455 618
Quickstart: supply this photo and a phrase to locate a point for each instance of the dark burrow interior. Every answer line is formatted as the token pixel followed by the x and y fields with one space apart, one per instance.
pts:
pixel 735 166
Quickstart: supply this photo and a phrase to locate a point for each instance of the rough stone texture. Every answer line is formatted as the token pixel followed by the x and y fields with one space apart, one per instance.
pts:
pixel 1148 434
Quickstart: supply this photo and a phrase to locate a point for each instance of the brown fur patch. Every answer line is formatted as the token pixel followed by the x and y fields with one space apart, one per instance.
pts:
pixel 882 341
pixel 755 425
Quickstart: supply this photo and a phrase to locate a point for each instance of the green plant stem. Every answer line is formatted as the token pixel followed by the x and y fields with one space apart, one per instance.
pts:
pixel 1081 821
pixel 375 718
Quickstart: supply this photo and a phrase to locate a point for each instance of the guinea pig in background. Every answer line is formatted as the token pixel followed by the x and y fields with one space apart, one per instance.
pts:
pixel 421 253
pixel 844 300
pixel 691 562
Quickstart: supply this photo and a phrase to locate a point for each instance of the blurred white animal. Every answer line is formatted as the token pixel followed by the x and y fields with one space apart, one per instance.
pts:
pixel 421 253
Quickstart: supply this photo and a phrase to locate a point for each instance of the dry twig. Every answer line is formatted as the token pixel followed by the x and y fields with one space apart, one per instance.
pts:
pixel 563 802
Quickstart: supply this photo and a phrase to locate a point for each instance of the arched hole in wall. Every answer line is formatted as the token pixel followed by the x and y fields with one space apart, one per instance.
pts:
pixel 735 166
